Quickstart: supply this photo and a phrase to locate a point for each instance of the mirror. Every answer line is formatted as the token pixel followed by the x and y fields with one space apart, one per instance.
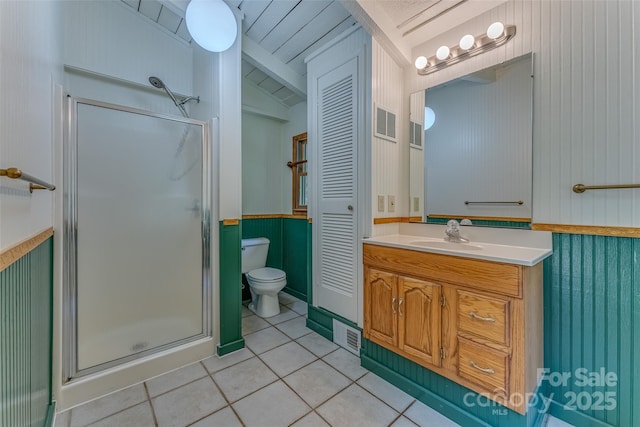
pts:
pixel 470 145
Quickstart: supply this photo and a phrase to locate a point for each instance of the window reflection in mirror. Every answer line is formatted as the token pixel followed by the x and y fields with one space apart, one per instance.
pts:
pixel 476 158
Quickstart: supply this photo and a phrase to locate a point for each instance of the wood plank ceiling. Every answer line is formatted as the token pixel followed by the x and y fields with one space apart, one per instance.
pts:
pixel 286 30
pixel 279 34
pixel 289 30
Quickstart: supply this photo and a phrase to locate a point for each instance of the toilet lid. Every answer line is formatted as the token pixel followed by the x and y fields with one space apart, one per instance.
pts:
pixel 267 274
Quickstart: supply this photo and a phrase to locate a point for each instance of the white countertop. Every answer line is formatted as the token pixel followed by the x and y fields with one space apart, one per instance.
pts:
pixel 527 255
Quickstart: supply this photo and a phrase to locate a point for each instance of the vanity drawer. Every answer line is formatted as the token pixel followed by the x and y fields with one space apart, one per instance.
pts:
pixel 484 366
pixel 483 316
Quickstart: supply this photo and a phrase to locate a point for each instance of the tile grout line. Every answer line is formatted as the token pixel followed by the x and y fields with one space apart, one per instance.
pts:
pixel 313 409
pixel 228 405
pixel 153 411
pixel 400 413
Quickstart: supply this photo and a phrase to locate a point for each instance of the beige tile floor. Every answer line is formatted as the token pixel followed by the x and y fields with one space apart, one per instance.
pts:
pixel 287 376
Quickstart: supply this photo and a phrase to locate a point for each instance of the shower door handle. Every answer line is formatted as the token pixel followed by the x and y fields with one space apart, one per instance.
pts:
pixel 195 208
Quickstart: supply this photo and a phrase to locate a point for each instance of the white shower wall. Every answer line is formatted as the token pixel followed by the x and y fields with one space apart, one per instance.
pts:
pixel 111 39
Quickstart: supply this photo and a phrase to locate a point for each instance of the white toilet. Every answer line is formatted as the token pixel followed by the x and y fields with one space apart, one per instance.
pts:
pixel 264 282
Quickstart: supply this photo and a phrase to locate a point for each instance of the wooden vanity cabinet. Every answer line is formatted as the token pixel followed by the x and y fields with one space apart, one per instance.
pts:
pixel 476 322
pixel 403 313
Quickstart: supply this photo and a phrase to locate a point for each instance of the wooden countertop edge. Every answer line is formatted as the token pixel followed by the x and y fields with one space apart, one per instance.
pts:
pixel 13 253
pixel 265 216
pixel 588 229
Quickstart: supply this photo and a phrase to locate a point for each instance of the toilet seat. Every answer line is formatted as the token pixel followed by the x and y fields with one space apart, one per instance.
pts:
pixel 266 275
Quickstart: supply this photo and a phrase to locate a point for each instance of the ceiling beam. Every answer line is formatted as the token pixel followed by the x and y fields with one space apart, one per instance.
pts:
pixel 257 56
pixel 373 18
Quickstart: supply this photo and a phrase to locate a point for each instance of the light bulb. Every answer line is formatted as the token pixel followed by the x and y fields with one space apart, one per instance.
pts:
pixel 429 118
pixel 212 24
pixel 495 30
pixel 442 53
pixel 467 41
pixel 421 62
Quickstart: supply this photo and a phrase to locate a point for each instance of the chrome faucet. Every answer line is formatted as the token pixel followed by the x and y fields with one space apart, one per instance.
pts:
pixel 453 232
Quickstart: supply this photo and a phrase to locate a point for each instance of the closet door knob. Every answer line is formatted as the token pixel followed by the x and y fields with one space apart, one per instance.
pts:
pixel 350 207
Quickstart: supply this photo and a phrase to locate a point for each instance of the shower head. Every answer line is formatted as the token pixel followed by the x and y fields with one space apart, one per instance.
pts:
pixel 156 82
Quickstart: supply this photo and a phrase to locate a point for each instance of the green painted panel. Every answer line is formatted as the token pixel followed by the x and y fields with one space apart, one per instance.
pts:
pixel 26 289
pixel 480 222
pixel 295 257
pixel 309 264
pixel 288 249
pixel 271 228
pixel 592 321
pixel 447 397
pixel 320 321
pixel 230 289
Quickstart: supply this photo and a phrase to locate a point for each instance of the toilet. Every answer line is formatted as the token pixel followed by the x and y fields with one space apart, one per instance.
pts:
pixel 264 282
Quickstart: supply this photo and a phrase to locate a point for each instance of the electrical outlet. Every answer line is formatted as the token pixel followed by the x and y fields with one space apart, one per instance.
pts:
pixel 392 203
pixel 416 204
pixel 380 203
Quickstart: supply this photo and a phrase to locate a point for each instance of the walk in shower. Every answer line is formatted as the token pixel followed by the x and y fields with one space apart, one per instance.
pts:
pixel 137 229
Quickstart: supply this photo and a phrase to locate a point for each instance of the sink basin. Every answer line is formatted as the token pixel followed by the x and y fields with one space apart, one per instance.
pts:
pixel 447 245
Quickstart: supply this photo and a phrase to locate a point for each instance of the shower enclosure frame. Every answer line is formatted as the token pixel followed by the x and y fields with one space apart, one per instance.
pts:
pixel 70 370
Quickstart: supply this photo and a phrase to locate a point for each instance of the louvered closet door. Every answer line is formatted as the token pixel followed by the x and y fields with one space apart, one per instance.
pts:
pixel 336 195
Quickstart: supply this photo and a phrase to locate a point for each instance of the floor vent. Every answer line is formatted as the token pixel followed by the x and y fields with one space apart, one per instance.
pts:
pixel 347 337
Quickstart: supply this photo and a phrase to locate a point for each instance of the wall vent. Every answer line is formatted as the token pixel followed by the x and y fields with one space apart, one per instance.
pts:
pixel 346 337
pixel 385 126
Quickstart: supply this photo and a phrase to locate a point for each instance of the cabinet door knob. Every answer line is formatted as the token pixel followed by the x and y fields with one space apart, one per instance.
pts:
pixel 485 370
pixel 393 305
pixel 350 207
pixel 486 319
pixel 400 306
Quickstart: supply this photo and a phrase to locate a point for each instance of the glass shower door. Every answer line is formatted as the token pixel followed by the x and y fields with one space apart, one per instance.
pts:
pixel 139 200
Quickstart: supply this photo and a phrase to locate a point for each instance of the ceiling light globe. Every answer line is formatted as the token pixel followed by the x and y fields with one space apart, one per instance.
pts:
pixel 467 41
pixel 495 30
pixel 442 53
pixel 212 24
pixel 421 62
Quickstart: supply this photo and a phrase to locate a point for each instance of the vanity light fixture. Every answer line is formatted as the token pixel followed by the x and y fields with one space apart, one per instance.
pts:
pixel 497 34
pixel 443 53
pixel 467 42
pixel 421 62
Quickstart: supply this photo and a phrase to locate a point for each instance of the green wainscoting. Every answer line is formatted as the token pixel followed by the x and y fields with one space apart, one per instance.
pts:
pixel 288 249
pixel 592 321
pixel 230 289
pixel 484 223
pixel 271 228
pixel 321 321
pixel 26 295
pixel 295 258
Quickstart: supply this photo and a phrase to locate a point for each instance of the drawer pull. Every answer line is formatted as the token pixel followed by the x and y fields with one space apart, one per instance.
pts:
pixel 400 306
pixel 485 370
pixel 486 319
pixel 393 307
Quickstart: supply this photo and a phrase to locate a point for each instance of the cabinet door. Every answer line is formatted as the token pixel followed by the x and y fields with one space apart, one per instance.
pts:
pixel 419 319
pixel 381 321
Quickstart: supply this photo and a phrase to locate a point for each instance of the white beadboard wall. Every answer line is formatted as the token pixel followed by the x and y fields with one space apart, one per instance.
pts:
pixel 228 78
pixel 296 125
pixel 262 170
pixel 266 149
pixel 479 148
pixel 586 101
pixel 387 91
pixel 111 38
pixel 30 49
pixel 416 158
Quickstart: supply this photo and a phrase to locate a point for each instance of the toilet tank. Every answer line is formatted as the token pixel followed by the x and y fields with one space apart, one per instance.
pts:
pixel 254 253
